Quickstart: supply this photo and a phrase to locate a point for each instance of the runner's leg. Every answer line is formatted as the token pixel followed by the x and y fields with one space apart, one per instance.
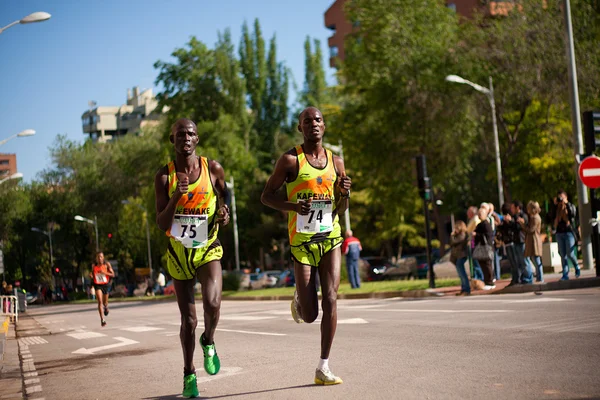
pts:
pixel 184 290
pixel 307 291
pixel 329 271
pixel 210 276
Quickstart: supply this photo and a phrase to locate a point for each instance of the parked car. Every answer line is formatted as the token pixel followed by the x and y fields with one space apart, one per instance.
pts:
pixel 287 279
pixel 169 289
pixel 258 280
pixel 380 268
pixel 273 278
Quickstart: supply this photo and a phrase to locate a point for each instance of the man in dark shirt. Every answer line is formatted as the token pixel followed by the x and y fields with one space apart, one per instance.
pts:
pixel 523 272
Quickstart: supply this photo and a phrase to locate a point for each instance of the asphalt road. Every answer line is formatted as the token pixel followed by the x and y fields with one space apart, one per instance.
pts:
pixel 483 347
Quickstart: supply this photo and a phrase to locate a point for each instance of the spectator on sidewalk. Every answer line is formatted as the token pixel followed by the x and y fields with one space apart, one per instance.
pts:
pixel 159 288
pixel 484 237
pixel 471 225
pixel 533 239
pixel 459 240
pixel 352 248
pixel 514 219
pixel 566 233
pixel 495 219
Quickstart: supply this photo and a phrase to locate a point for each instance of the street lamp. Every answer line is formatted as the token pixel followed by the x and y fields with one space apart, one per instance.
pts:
pixel 16 175
pixel 236 243
pixel 26 132
pixel 31 18
pixel 49 234
pixel 340 149
pixel 147 231
pixel 490 95
pixel 95 223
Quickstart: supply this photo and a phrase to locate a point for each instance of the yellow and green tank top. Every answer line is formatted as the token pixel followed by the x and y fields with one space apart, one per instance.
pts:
pixel 318 184
pixel 200 199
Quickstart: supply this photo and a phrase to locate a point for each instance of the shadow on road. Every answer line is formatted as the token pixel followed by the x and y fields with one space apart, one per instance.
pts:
pixel 178 396
pixel 93 307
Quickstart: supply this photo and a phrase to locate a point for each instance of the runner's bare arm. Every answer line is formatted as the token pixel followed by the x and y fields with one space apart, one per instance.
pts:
pixel 165 207
pixel 285 168
pixel 216 171
pixel 342 185
pixel 109 270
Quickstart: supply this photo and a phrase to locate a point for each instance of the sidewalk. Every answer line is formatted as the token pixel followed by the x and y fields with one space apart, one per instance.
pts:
pixel 11 382
pixel 588 279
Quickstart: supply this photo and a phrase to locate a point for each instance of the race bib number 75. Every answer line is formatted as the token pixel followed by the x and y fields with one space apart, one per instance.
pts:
pixel 190 230
pixel 319 218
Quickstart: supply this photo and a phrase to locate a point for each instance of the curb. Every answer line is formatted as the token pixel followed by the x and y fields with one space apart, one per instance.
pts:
pixel 580 283
pixel 350 296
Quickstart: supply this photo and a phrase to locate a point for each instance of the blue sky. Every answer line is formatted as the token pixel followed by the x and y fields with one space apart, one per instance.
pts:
pixel 95 50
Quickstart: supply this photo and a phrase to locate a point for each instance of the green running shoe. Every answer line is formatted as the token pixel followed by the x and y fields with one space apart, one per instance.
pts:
pixel 190 388
pixel 212 364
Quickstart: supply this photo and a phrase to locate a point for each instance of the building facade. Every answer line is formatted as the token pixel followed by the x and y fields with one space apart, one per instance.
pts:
pixel 8 165
pixel 335 19
pixel 104 123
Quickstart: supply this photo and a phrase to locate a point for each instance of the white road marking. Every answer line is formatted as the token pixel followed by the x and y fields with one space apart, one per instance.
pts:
pixel 507 301
pixel 142 329
pixel 32 340
pixel 85 335
pixel 122 342
pixel 583 326
pixel 352 321
pixel 252 332
pixel 30 374
pixel 243 318
pixel 223 373
pixel 30 381
pixel 446 311
pixel 33 389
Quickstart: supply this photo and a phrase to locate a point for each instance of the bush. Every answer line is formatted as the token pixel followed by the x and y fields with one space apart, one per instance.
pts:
pixel 231 281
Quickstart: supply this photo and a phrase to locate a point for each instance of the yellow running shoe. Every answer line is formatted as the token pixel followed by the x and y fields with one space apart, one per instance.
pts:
pixel 294 308
pixel 326 377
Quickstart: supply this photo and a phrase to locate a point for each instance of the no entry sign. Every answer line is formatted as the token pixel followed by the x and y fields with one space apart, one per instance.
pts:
pixel 589 172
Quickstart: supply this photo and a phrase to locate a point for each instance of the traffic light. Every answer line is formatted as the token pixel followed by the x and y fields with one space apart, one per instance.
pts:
pixel 591 129
pixel 110 235
pixel 57 270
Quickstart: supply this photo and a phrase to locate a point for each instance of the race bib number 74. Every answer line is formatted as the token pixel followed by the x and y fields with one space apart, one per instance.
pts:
pixel 319 218
pixel 190 230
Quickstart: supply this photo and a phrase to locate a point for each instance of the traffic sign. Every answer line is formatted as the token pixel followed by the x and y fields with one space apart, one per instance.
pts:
pixel 589 172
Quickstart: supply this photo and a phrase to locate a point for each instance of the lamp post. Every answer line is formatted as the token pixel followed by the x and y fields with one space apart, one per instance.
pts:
pixel 26 132
pixel 147 231
pixel 95 223
pixel 236 244
pixel 16 175
pixel 490 95
pixel 49 234
pixel 585 209
pixel 340 149
pixel 31 18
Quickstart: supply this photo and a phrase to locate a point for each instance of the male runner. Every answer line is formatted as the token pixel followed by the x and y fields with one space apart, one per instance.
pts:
pixel 190 192
pixel 317 192
pixel 102 271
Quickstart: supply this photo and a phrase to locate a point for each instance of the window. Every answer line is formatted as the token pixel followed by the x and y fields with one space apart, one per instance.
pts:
pixel 333 51
pixel 452 6
pixel 3 162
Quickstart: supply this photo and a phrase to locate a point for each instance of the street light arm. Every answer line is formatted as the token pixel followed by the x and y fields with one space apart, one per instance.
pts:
pixel 9 25
pixel 458 79
pixel 10 137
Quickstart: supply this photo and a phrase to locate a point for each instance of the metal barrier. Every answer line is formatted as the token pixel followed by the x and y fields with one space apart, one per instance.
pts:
pixel 10 307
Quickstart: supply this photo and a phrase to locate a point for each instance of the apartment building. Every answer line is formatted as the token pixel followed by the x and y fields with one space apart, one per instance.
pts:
pixel 335 19
pixel 104 123
pixel 8 165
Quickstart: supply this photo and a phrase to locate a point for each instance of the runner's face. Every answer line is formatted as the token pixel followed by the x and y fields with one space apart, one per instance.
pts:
pixel 100 258
pixel 312 125
pixel 185 139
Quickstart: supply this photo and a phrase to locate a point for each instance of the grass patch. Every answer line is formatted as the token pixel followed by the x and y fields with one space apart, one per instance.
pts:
pixel 366 287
